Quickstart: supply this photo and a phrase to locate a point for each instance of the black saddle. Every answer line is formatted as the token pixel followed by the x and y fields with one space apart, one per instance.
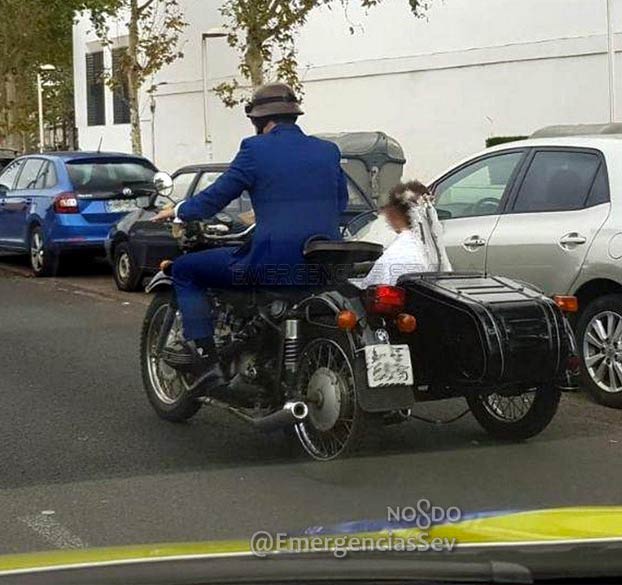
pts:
pixel 340 252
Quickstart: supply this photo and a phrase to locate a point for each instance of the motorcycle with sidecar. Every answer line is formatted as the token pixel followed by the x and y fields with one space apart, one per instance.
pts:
pixel 329 360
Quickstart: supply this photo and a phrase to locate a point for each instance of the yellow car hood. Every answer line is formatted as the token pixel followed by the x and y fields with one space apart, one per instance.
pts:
pixel 573 524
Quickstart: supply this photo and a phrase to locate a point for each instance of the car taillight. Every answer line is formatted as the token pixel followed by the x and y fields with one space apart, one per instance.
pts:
pixel 66 203
pixel 384 299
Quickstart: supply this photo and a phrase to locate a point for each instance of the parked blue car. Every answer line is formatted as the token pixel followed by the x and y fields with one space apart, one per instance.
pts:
pixel 54 204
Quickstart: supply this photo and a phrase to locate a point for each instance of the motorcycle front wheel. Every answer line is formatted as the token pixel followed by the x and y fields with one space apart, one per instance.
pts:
pixel 515 418
pixel 335 424
pixel 166 388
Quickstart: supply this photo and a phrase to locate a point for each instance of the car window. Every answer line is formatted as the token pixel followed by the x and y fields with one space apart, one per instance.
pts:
pixel 28 177
pixel 557 181
pixel 355 199
pixel 600 189
pixel 8 176
pixel 47 177
pixel 205 180
pixel 181 186
pixel 108 175
pixel 477 188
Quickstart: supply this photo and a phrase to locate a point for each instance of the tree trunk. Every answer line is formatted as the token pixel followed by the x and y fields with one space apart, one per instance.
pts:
pixel 254 61
pixel 133 81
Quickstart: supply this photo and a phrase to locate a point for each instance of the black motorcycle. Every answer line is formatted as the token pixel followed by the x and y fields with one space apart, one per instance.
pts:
pixel 331 360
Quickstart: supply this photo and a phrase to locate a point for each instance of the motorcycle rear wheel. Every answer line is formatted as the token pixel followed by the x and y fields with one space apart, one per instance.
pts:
pixel 335 424
pixel 516 418
pixel 166 388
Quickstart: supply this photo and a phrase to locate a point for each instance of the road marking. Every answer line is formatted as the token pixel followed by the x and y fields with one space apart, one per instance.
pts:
pixel 52 531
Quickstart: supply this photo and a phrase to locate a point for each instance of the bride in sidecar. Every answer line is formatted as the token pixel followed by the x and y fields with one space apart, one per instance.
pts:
pixel 419 245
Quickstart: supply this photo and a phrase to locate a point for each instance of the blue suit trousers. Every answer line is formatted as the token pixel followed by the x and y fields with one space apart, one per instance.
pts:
pixel 192 275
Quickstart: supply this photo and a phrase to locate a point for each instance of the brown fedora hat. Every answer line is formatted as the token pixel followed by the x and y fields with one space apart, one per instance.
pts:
pixel 273 99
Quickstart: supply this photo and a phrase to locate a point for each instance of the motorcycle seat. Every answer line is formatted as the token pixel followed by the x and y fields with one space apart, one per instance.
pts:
pixel 340 252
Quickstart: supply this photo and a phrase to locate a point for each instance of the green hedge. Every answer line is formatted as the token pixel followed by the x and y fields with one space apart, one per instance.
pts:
pixel 494 140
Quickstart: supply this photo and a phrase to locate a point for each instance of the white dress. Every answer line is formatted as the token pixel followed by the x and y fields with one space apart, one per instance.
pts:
pixel 406 254
pixel 420 249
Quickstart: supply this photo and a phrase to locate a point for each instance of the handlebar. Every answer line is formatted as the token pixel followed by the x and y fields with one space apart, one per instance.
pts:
pixel 209 233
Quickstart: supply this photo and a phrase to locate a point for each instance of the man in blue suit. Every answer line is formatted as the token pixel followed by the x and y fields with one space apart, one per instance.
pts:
pixel 297 189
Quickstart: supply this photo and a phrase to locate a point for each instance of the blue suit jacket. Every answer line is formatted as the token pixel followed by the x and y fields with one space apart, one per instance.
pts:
pixel 297 188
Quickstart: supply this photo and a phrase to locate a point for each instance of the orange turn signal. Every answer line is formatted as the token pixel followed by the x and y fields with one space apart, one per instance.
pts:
pixel 566 303
pixel 406 323
pixel 165 265
pixel 346 320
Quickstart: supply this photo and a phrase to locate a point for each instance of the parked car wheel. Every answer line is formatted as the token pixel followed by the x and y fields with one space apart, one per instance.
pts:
pixel 43 261
pixel 599 337
pixel 515 418
pixel 127 273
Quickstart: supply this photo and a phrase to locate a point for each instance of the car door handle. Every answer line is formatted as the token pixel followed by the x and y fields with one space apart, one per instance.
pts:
pixel 473 243
pixel 572 239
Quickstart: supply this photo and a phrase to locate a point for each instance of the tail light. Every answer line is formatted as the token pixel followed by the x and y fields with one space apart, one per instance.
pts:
pixel 567 304
pixel 385 300
pixel 66 203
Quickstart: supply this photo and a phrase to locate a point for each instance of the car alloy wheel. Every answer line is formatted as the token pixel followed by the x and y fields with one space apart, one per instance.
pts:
pixel 602 351
pixel 37 251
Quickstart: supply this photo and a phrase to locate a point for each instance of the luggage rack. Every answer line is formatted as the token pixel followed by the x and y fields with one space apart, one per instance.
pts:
pixel 479 292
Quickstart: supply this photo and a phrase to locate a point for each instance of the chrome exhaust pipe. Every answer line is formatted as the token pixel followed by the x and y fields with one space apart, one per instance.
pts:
pixel 291 413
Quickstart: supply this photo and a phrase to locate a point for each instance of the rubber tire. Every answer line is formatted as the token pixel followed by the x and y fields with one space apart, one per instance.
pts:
pixel 184 408
pixel 534 422
pixel 363 421
pixel 134 282
pixel 51 262
pixel 611 302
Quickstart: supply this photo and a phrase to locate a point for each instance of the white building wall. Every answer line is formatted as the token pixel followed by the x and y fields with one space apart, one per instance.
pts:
pixel 440 85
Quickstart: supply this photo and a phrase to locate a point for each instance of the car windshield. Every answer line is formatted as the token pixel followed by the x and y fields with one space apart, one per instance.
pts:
pixel 108 175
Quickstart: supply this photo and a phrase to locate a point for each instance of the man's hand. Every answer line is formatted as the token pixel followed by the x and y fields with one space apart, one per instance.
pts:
pixel 164 214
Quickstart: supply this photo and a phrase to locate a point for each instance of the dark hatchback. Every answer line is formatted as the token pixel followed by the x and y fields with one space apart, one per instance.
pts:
pixel 136 246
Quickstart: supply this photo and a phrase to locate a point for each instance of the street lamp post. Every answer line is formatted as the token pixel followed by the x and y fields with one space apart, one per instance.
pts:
pixel 40 97
pixel 152 107
pixel 212 33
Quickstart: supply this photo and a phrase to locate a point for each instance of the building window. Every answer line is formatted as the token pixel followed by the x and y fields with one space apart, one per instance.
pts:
pixel 121 105
pixel 95 101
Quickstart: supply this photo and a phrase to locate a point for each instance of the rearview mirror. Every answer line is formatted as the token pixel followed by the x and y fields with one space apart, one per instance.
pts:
pixel 163 183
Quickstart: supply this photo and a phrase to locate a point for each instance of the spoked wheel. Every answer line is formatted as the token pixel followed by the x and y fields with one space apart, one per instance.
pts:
pixel 326 380
pixel 516 418
pixel 167 388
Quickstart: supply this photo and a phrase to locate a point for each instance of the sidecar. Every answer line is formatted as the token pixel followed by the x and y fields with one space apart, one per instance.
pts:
pixel 480 334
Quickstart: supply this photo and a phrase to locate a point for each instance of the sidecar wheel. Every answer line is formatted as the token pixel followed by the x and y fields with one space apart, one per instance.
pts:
pixel 335 424
pixel 515 418
pixel 165 387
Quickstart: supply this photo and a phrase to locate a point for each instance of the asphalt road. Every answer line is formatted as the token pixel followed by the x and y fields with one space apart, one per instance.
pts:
pixel 85 462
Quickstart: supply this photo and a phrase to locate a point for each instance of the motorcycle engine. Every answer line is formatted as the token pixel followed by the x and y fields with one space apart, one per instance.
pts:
pixel 241 345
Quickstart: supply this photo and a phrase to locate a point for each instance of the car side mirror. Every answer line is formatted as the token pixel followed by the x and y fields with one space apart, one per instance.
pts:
pixel 3 190
pixel 443 214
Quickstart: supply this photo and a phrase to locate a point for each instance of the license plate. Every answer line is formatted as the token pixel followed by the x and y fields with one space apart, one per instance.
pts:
pixel 388 365
pixel 120 205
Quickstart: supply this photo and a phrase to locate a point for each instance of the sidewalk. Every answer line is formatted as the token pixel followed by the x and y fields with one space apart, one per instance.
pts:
pixel 91 278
